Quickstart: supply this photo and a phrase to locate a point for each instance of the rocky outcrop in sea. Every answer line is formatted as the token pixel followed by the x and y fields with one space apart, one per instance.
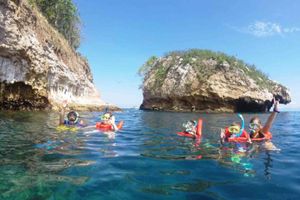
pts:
pixel 38 68
pixel 206 81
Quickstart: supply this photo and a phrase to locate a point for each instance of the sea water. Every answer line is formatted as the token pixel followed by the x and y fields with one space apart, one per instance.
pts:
pixel 144 160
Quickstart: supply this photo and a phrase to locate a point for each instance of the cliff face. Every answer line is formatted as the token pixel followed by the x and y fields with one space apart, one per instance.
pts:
pixel 38 69
pixel 200 80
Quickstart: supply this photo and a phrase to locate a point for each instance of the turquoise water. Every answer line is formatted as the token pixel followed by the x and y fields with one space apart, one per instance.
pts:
pixel 145 160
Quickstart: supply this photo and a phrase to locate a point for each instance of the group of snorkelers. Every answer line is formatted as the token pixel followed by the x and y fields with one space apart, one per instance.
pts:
pixel 72 118
pixel 236 129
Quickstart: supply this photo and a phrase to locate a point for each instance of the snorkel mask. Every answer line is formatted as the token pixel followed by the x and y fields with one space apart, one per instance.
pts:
pixel 254 127
pixel 106 116
pixel 189 126
pixel 234 129
pixel 237 130
pixel 73 117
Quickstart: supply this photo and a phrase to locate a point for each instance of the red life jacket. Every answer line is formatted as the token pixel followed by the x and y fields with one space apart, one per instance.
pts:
pixel 243 135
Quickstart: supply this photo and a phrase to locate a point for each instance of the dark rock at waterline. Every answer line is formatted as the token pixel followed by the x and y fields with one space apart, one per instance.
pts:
pixel 19 96
pixel 206 81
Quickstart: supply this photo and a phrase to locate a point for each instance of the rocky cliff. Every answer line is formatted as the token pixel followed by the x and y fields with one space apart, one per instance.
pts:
pixel 202 80
pixel 38 68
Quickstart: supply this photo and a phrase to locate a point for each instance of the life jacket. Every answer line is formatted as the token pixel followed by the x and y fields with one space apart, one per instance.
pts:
pixel 69 123
pixel 228 134
pixel 265 136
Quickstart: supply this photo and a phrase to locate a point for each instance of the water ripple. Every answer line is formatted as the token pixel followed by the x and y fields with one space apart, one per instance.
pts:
pixel 144 160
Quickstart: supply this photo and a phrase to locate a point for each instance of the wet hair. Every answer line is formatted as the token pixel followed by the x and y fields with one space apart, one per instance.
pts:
pixel 193 122
pixel 255 119
pixel 235 124
pixel 109 113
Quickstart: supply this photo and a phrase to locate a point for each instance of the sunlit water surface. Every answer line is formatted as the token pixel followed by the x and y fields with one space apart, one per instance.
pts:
pixel 145 160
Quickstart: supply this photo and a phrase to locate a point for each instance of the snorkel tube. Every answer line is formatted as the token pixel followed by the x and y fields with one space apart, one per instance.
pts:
pixel 242 125
pixel 106 109
pixel 105 116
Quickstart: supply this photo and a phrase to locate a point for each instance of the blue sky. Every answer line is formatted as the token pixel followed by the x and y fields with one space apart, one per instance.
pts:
pixel 119 36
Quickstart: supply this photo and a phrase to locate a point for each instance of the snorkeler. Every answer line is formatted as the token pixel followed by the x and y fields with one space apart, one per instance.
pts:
pixel 235 130
pixel 190 127
pixel 109 118
pixel 257 130
pixel 72 117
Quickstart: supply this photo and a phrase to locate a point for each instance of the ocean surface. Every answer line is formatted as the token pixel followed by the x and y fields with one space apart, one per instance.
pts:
pixel 144 160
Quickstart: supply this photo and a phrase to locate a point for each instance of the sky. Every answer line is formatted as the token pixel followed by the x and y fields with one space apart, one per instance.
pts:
pixel 119 36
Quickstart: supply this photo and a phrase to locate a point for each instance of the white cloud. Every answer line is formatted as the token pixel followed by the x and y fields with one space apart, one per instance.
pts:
pixel 264 29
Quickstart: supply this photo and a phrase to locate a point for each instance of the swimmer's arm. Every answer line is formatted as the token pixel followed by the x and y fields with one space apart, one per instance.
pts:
pixel 248 138
pixel 62 116
pixel 62 113
pixel 86 127
pixel 271 118
pixel 269 122
pixel 256 134
pixel 222 136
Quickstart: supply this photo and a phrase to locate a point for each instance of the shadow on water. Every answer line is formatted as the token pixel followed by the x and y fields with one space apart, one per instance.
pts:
pixel 145 160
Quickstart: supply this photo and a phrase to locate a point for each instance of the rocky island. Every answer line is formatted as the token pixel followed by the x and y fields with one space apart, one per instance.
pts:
pixel 38 66
pixel 207 81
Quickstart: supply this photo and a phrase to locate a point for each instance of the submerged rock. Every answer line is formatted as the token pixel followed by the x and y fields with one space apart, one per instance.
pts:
pixel 202 80
pixel 38 68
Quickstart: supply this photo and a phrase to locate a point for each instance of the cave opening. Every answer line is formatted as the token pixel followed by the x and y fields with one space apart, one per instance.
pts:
pixel 20 96
pixel 247 105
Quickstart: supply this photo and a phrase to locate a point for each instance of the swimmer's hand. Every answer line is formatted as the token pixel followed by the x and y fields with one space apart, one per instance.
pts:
pixel 64 103
pixel 222 133
pixel 275 109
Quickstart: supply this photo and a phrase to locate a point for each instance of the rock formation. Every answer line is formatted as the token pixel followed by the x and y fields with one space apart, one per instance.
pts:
pixel 38 68
pixel 206 81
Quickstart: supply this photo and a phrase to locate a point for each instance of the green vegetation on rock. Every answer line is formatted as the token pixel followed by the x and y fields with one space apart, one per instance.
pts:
pixel 63 15
pixel 195 58
pixel 145 68
pixel 160 75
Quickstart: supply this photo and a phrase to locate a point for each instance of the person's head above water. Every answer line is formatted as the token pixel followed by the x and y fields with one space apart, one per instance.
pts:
pixel 110 113
pixel 234 127
pixel 193 122
pixel 73 116
pixel 106 116
pixel 255 124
